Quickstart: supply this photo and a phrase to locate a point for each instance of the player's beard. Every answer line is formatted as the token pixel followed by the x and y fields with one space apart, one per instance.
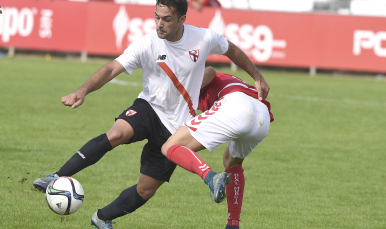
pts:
pixel 162 34
pixel 165 35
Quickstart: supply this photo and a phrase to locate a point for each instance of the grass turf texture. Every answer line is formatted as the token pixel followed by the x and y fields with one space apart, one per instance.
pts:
pixel 321 166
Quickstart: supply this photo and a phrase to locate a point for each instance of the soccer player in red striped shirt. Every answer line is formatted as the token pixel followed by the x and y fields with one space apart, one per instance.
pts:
pixel 232 112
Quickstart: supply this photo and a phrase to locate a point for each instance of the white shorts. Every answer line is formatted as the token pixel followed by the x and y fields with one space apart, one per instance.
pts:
pixel 238 118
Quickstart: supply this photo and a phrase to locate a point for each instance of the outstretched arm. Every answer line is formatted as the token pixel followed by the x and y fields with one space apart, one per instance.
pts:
pixel 237 56
pixel 96 81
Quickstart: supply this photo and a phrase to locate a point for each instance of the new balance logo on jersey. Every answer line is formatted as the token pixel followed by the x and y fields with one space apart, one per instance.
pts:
pixel 130 112
pixel 194 55
pixel 161 57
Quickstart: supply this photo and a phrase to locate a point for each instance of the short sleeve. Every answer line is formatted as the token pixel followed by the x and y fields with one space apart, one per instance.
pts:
pixel 219 44
pixel 131 57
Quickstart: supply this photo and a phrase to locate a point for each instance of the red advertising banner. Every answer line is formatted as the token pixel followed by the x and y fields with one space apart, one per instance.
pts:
pixel 43 25
pixel 269 38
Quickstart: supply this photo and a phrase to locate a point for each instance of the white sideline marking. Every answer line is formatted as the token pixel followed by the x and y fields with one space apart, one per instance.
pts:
pixel 317 99
pixel 123 82
pixel 298 97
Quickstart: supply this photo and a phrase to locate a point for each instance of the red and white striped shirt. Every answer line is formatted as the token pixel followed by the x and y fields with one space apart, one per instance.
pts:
pixel 224 84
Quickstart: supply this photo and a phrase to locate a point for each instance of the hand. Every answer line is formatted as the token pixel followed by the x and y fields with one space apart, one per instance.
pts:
pixel 73 100
pixel 262 88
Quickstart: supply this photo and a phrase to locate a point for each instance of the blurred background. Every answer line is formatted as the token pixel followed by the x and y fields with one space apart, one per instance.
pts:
pixel 321 166
pixel 317 35
pixel 345 7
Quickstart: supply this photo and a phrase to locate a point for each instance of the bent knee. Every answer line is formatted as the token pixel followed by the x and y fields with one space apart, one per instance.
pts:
pixel 114 135
pixel 165 147
pixel 118 136
pixel 146 193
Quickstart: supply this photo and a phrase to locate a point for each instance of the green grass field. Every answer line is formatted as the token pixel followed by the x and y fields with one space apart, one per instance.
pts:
pixel 321 166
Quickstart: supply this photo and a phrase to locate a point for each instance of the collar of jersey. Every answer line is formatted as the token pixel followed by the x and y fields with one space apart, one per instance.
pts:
pixel 180 40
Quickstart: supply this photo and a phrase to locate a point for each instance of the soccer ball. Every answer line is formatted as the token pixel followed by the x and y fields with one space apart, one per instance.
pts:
pixel 64 195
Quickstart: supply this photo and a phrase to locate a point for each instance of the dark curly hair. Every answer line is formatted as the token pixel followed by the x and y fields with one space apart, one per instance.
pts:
pixel 178 6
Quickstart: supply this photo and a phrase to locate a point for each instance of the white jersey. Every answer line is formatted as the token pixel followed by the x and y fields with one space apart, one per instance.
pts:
pixel 173 71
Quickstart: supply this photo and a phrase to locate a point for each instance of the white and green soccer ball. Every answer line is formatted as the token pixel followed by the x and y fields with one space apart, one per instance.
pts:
pixel 64 195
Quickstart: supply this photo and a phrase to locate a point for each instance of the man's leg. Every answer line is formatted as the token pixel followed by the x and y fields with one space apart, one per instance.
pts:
pixel 180 149
pixel 95 149
pixel 155 168
pixel 235 190
pixel 131 198
pixel 91 152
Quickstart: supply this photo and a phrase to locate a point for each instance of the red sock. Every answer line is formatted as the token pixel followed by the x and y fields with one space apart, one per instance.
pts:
pixel 235 191
pixel 188 159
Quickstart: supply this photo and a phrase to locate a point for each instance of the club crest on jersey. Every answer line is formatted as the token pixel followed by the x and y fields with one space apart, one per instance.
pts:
pixel 130 112
pixel 194 55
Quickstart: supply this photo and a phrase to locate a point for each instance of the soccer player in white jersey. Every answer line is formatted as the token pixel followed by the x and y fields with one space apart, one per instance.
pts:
pixel 231 112
pixel 173 62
